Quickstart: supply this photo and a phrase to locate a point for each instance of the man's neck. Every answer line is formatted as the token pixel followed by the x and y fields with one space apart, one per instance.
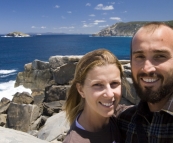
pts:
pixel 156 107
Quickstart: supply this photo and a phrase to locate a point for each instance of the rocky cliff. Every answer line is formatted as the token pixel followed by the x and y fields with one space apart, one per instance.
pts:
pixel 124 29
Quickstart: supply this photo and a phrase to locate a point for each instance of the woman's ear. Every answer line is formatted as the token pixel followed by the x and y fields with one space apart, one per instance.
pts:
pixel 80 89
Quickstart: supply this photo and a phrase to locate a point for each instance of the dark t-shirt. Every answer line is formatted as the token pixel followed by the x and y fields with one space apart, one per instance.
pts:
pixel 110 134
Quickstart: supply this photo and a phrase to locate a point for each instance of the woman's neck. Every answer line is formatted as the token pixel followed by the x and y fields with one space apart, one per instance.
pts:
pixel 92 123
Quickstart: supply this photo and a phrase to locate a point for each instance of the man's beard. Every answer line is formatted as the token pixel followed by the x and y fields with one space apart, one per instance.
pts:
pixel 148 95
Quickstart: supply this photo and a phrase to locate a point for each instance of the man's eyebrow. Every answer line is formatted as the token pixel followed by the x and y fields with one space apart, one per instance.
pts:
pixel 161 51
pixel 137 52
pixel 154 51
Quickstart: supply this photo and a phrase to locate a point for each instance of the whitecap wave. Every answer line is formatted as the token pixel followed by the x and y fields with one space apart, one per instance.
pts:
pixel 6 75
pixel 7 89
pixel 7 71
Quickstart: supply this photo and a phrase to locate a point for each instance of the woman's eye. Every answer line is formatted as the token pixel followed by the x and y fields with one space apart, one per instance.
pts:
pixel 114 84
pixel 97 84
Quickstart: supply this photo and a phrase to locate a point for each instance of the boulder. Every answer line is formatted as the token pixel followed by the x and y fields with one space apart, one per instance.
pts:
pixel 58 61
pixel 38 96
pixel 55 93
pixel 22 116
pixel 3 118
pixel 4 104
pixel 64 74
pixel 33 79
pixel 13 136
pixel 52 107
pixel 55 128
pixel 22 98
pixel 28 67
pixel 40 65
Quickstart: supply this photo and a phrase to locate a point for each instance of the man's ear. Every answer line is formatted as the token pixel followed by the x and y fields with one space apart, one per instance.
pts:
pixel 80 89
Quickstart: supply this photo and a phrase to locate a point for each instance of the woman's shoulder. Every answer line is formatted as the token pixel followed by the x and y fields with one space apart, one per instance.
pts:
pixel 74 137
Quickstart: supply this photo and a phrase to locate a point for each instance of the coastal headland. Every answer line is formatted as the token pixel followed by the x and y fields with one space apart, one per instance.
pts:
pixel 125 29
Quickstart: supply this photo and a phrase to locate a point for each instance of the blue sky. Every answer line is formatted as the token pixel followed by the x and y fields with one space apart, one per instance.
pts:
pixel 78 16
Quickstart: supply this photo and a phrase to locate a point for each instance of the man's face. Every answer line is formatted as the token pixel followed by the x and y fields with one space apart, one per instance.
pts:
pixel 152 63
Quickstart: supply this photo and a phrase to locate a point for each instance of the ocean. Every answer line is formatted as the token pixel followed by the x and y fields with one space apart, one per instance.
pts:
pixel 15 52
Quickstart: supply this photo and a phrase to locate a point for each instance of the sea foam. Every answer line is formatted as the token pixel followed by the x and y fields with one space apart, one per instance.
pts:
pixel 7 71
pixel 7 89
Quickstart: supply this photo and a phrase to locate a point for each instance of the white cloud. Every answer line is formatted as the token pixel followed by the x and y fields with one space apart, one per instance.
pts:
pixel 102 26
pixel 101 7
pixel 124 11
pixel 43 27
pixel 98 21
pixel 57 6
pixel 69 12
pixel 92 15
pixel 104 13
pixel 85 25
pixel 115 18
pixel 70 30
pixel 89 25
pixel 72 27
pixel 88 4
pixel 92 24
pixel 83 21
pixel 62 17
pixel 111 2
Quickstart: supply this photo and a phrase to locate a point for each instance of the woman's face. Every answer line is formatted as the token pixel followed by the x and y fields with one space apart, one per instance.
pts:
pixel 101 90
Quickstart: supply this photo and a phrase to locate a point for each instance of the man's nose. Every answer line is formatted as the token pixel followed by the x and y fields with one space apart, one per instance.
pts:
pixel 148 66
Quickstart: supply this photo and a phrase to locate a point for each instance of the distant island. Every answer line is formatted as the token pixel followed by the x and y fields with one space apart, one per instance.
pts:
pixel 125 29
pixel 17 34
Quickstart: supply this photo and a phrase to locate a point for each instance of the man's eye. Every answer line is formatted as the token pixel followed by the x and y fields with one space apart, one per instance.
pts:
pixel 160 56
pixel 139 57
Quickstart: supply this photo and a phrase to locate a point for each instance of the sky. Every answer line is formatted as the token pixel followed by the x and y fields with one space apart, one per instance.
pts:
pixel 78 16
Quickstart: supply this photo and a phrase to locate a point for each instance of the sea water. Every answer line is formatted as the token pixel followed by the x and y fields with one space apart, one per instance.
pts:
pixel 15 52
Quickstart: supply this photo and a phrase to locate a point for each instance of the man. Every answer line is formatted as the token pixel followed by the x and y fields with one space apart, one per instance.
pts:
pixel 151 121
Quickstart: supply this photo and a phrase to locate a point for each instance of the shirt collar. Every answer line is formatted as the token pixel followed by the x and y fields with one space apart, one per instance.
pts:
pixel 143 108
pixel 168 107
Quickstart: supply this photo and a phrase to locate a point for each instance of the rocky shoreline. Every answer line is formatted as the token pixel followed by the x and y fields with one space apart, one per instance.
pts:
pixel 40 114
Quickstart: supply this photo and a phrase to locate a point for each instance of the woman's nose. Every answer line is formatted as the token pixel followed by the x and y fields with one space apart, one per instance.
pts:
pixel 109 92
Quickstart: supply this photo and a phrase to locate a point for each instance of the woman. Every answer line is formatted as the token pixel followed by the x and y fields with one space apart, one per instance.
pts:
pixel 94 94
